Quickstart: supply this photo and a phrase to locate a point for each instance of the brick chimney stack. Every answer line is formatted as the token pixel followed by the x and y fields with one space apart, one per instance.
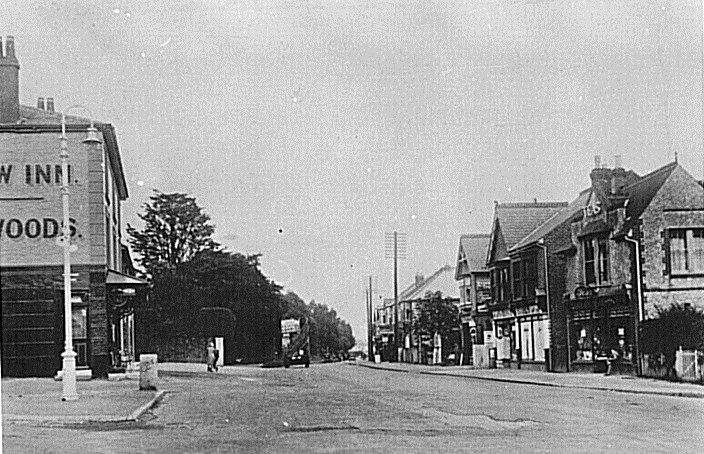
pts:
pixel 9 82
pixel 601 178
pixel 618 176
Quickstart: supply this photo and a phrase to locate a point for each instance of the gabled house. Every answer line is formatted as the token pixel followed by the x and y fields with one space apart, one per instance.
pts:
pixel 515 284
pixel 475 292
pixel 637 244
pixel 542 250
pixel 414 349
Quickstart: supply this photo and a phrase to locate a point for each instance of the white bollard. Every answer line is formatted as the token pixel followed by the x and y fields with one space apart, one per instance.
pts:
pixel 148 372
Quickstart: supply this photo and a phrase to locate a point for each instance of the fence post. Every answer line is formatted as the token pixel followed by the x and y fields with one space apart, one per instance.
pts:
pixel 696 365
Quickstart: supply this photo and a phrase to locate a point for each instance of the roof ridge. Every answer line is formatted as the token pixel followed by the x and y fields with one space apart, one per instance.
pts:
pixel 475 235
pixel 531 204
pixel 653 174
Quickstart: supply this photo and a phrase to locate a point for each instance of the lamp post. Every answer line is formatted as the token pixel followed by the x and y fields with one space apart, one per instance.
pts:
pixel 69 355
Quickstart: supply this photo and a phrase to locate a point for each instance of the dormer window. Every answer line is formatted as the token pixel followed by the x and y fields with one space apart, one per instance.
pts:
pixel 596 261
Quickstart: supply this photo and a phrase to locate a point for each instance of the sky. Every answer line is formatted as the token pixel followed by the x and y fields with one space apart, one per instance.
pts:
pixel 310 129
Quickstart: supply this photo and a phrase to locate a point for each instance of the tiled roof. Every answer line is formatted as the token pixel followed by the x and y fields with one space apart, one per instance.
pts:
pixel 642 192
pixel 443 280
pixel 474 247
pixel 558 218
pixel 517 220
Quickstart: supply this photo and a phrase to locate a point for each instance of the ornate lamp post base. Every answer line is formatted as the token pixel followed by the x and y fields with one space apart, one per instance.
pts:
pixel 69 376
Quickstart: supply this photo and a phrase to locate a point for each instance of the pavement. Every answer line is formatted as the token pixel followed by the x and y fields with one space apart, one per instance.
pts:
pixel 39 399
pixel 588 381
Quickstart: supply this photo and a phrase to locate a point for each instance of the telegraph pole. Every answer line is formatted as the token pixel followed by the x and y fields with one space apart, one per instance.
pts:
pixel 370 322
pixel 392 242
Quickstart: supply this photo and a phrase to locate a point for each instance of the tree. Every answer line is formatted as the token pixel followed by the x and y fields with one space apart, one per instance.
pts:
pixel 220 279
pixel 175 230
pixel 328 333
pixel 675 326
pixel 436 315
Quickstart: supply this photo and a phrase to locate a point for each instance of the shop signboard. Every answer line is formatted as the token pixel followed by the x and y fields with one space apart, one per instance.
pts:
pixel 31 207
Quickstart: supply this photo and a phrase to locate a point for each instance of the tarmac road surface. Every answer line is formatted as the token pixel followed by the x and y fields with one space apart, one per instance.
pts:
pixel 340 407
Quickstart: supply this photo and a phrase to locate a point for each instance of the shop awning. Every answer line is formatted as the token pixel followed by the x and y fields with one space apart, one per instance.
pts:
pixel 124 280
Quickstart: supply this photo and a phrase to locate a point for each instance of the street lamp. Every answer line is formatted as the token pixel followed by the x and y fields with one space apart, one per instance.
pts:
pixel 68 378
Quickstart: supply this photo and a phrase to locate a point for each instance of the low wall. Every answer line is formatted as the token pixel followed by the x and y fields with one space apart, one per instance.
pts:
pixel 180 349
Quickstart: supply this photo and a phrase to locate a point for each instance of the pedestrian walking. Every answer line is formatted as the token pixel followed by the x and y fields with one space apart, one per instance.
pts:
pixel 211 356
pixel 610 359
pixel 217 358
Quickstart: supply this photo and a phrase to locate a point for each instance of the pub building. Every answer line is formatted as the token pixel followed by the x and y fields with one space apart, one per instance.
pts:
pixel 628 254
pixel 104 288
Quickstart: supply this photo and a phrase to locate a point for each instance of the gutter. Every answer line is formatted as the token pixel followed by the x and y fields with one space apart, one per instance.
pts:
pixel 639 297
pixel 541 244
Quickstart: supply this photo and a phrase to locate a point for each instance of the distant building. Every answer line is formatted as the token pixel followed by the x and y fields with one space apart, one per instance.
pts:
pixel 414 348
pixel 475 293
pixel 103 292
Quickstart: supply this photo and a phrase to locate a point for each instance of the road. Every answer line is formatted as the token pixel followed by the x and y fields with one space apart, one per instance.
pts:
pixel 346 408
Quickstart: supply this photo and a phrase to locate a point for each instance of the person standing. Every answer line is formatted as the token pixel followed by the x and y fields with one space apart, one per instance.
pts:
pixel 211 358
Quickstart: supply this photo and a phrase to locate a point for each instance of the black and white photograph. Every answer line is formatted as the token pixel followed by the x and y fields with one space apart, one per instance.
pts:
pixel 352 226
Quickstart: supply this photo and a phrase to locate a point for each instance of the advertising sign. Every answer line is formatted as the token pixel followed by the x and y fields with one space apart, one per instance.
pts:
pixel 31 210
pixel 290 325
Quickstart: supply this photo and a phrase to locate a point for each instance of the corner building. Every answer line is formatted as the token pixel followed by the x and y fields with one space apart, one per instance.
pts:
pixel 31 261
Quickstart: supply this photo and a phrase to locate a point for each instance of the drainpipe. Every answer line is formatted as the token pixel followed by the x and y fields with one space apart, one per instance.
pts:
pixel 639 297
pixel 543 246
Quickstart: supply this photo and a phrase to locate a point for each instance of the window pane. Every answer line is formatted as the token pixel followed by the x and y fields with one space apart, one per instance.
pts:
pixel 517 288
pixel 603 261
pixel 589 274
pixel 696 256
pixel 80 323
pixel 678 251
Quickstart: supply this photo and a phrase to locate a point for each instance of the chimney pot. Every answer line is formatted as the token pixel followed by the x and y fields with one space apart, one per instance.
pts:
pixel 50 104
pixel 2 48
pixel 40 103
pixel 597 162
pixel 10 47
pixel 617 161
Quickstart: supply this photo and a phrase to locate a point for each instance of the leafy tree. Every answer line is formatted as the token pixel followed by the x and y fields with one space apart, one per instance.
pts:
pixel 436 315
pixel 226 280
pixel 675 326
pixel 175 230
pixel 328 333
pixel 292 306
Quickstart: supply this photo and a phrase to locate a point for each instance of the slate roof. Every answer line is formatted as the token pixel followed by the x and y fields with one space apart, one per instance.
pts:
pixel 33 119
pixel 34 116
pixel 474 246
pixel 567 213
pixel 517 220
pixel 641 193
pixel 442 280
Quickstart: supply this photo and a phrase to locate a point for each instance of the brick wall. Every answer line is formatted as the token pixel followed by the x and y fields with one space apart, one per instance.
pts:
pixel 44 279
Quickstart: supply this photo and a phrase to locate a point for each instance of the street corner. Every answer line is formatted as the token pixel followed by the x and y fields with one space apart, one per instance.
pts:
pixel 40 401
